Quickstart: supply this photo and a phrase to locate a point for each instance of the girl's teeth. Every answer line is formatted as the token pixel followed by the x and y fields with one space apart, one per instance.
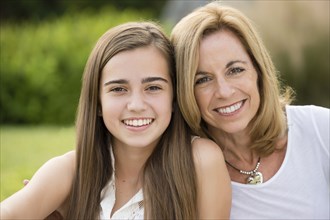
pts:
pixel 137 122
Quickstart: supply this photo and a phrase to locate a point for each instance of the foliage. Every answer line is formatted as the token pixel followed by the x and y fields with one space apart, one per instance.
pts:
pixel 42 64
pixel 25 149
pixel 35 10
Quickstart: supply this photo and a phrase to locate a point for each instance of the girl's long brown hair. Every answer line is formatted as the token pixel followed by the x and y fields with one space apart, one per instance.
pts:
pixel 169 185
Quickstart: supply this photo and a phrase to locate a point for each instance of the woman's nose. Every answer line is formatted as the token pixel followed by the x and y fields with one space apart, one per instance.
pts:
pixel 224 89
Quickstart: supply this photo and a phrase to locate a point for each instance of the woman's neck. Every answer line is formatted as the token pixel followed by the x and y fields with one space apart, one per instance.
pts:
pixel 236 147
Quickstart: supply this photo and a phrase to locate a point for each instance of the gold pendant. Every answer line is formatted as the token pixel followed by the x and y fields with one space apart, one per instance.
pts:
pixel 255 178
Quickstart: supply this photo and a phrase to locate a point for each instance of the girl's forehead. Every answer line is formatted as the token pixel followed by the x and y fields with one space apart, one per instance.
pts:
pixel 137 64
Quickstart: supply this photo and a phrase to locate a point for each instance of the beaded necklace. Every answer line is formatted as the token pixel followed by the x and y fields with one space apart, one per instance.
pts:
pixel 254 176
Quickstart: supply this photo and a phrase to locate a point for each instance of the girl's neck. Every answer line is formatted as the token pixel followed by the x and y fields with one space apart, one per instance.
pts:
pixel 129 163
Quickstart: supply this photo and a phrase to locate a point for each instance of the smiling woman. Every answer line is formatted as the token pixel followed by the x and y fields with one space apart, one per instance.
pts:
pixel 231 77
pixel 229 91
pixel 131 139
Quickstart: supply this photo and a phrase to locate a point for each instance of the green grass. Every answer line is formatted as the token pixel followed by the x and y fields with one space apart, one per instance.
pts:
pixel 25 149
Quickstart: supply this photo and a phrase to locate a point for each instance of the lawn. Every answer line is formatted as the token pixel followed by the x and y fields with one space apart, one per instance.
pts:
pixel 24 149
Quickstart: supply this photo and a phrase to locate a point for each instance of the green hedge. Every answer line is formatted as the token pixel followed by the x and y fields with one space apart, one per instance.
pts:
pixel 41 64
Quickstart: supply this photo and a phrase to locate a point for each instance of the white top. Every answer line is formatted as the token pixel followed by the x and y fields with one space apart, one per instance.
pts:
pixel 300 189
pixel 133 209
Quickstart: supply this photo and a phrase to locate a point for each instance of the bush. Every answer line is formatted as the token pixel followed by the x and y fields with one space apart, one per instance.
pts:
pixel 42 64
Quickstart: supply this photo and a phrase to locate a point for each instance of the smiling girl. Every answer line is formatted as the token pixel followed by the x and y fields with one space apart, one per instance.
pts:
pixel 135 157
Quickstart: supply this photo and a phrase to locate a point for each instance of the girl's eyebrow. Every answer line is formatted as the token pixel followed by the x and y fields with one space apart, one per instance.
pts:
pixel 144 80
pixel 152 79
pixel 118 81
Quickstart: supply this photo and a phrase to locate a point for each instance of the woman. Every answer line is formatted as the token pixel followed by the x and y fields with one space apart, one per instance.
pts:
pixel 135 157
pixel 277 155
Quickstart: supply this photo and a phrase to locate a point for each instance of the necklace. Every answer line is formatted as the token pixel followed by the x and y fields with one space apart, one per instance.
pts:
pixel 254 176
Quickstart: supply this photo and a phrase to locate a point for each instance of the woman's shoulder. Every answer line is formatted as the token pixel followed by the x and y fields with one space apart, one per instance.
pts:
pixel 306 110
pixel 308 115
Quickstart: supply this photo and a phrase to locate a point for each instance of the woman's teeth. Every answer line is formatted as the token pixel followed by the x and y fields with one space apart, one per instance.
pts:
pixel 230 109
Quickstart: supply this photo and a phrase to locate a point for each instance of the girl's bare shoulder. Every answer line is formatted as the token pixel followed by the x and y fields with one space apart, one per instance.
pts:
pixel 206 151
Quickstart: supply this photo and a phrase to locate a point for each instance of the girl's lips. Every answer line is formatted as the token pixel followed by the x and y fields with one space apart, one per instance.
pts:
pixel 230 109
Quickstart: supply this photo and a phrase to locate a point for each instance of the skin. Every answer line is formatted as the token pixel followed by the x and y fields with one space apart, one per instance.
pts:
pixel 140 90
pixel 227 95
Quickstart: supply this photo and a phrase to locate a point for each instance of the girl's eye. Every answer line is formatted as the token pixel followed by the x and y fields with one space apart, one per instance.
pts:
pixel 153 88
pixel 202 80
pixel 118 89
pixel 235 70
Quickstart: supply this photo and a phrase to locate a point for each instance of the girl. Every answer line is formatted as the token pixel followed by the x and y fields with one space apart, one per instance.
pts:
pixel 135 157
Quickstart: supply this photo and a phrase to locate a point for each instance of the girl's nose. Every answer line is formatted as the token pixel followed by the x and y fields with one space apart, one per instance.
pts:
pixel 136 103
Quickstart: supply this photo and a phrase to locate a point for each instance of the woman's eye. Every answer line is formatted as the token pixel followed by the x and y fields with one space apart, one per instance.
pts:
pixel 202 80
pixel 235 70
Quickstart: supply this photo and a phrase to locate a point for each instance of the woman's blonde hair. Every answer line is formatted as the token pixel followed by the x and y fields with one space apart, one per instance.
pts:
pixel 169 185
pixel 270 121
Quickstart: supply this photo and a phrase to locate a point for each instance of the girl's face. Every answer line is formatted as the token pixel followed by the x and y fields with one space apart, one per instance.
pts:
pixel 136 95
pixel 226 88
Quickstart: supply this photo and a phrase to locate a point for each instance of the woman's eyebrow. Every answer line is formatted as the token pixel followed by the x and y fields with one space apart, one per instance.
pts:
pixel 235 61
pixel 201 73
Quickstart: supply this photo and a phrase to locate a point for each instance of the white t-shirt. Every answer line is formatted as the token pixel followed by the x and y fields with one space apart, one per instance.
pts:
pixel 300 189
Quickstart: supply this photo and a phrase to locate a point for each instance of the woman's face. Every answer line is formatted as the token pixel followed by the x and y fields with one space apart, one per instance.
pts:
pixel 136 97
pixel 226 88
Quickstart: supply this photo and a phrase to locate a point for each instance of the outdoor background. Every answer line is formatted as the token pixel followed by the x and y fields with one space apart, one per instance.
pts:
pixel 44 45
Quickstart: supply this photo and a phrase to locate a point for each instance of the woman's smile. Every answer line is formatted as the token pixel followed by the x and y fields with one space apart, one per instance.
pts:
pixel 230 110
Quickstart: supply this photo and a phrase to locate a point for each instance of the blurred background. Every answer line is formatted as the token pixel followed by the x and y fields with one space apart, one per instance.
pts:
pixel 44 45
